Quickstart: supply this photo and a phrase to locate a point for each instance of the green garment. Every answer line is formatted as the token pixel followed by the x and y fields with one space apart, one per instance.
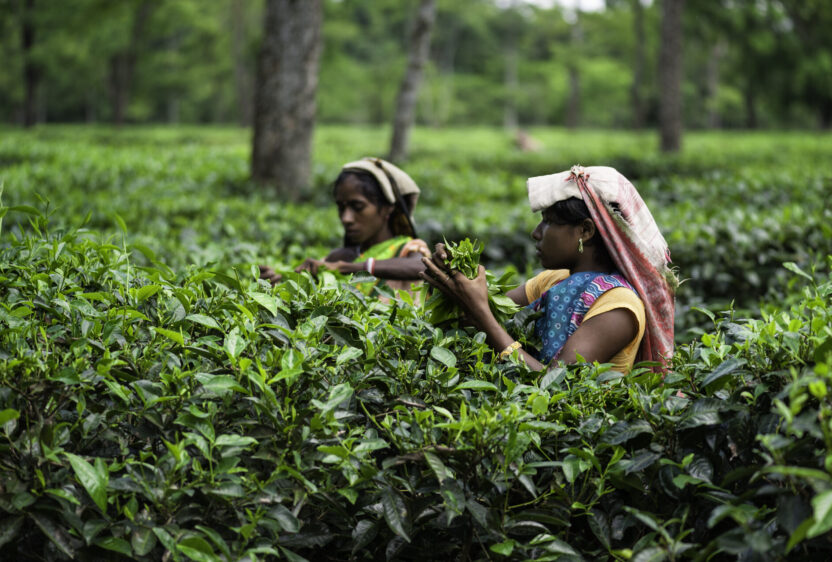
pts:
pixel 381 251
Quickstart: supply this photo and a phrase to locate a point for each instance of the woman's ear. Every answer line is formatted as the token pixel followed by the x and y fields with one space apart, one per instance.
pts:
pixel 588 230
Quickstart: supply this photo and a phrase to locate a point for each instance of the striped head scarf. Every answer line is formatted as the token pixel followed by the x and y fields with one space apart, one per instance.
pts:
pixel 633 239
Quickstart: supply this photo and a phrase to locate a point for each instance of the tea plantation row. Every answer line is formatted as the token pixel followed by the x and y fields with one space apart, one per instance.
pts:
pixel 158 401
pixel 206 416
pixel 733 207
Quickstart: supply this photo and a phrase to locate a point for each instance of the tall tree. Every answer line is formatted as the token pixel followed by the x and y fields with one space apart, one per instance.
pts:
pixel 123 64
pixel 639 62
pixel 573 101
pixel 285 88
pixel 242 77
pixel 31 70
pixel 670 76
pixel 409 90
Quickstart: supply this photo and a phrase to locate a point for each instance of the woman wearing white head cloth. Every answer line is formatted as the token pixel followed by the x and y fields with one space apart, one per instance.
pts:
pixel 375 202
pixel 607 293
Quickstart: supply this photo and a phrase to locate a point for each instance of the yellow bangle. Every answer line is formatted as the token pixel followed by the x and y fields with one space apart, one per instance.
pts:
pixel 510 348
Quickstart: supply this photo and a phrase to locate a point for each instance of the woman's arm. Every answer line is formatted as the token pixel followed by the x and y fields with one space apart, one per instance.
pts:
pixel 392 268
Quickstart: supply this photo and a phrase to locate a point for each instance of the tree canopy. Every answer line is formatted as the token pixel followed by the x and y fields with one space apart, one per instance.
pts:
pixel 746 64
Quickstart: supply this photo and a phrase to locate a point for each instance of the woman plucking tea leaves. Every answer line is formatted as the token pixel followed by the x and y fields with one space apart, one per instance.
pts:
pixel 375 202
pixel 607 292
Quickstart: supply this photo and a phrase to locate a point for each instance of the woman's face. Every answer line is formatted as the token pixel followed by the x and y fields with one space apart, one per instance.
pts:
pixel 556 244
pixel 364 222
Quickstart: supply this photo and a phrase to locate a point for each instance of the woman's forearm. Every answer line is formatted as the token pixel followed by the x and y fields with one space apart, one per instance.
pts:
pixel 395 268
pixel 499 339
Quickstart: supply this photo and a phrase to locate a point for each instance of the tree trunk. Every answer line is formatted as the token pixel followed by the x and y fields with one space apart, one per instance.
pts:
pixel 573 102
pixel 286 83
pixel 670 76
pixel 123 64
pixel 242 76
pixel 639 63
pixel 750 101
pixel 510 107
pixel 409 90
pixel 31 71
pixel 712 84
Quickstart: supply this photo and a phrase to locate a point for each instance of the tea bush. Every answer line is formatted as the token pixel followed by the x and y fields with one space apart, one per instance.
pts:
pixel 205 415
pixel 158 401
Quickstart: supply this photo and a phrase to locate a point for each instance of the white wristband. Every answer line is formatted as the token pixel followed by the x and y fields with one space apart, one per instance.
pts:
pixel 370 266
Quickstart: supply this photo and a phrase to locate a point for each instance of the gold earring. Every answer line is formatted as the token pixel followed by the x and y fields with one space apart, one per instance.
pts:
pixel 580 245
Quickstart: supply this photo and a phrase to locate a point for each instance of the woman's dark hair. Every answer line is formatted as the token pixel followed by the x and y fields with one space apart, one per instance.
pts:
pixel 569 211
pixel 573 211
pixel 371 189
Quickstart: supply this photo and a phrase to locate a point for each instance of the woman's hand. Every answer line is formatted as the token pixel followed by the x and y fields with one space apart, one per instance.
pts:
pixel 270 275
pixel 313 266
pixel 470 294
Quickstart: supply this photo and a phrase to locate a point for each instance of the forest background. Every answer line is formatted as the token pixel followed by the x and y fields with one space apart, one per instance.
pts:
pixel 747 64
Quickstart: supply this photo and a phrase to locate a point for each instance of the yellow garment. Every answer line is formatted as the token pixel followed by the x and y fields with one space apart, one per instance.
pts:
pixel 618 297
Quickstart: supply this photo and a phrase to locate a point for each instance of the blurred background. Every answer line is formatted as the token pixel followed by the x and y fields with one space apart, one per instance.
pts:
pixel 746 64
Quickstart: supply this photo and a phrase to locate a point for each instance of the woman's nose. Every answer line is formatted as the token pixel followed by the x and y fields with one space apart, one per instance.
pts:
pixel 536 233
pixel 347 217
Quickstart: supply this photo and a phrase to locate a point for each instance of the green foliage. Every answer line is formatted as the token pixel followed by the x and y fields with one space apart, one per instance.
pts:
pixel 158 400
pixel 214 417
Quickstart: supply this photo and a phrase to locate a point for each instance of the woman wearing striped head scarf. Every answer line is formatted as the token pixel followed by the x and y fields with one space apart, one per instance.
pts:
pixel 375 201
pixel 607 291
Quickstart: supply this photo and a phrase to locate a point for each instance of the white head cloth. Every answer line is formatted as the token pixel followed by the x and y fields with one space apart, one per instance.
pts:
pixel 611 187
pixel 377 167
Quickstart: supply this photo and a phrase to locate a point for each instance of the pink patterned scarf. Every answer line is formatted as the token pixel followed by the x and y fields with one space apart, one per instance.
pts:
pixel 633 239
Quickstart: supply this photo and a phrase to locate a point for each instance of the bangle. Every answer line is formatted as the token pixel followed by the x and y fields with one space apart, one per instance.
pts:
pixel 510 348
pixel 370 266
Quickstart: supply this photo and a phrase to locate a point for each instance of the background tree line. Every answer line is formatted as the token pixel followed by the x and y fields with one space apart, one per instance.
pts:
pixel 766 63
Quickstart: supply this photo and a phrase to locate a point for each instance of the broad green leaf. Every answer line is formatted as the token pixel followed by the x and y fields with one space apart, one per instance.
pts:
pixel 726 368
pixel 504 548
pixel 206 321
pixel 288 522
pixel 116 545
pixel 93 478
pixel 443 355
pixel 53 532
pixel 142 541
pixel 269 302
pixel 437 466
pixel 197 548
pixel 170 334
pixel 8 415
pixel 348 354
pixel 477 385
pixel 120 222
pixel 395 512
pixel 233 440
pixel 623 431
pixel 143 293
pixel 822 504
pixel 793 267
pixel 234 344
pixel 219 384
pixel 363 534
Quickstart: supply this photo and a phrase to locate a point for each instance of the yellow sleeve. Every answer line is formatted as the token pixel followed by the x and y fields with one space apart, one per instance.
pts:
pixel 541 282
pixel 622 297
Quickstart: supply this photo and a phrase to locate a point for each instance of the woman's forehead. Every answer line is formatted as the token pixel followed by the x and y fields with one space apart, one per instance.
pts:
pixel 349 191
